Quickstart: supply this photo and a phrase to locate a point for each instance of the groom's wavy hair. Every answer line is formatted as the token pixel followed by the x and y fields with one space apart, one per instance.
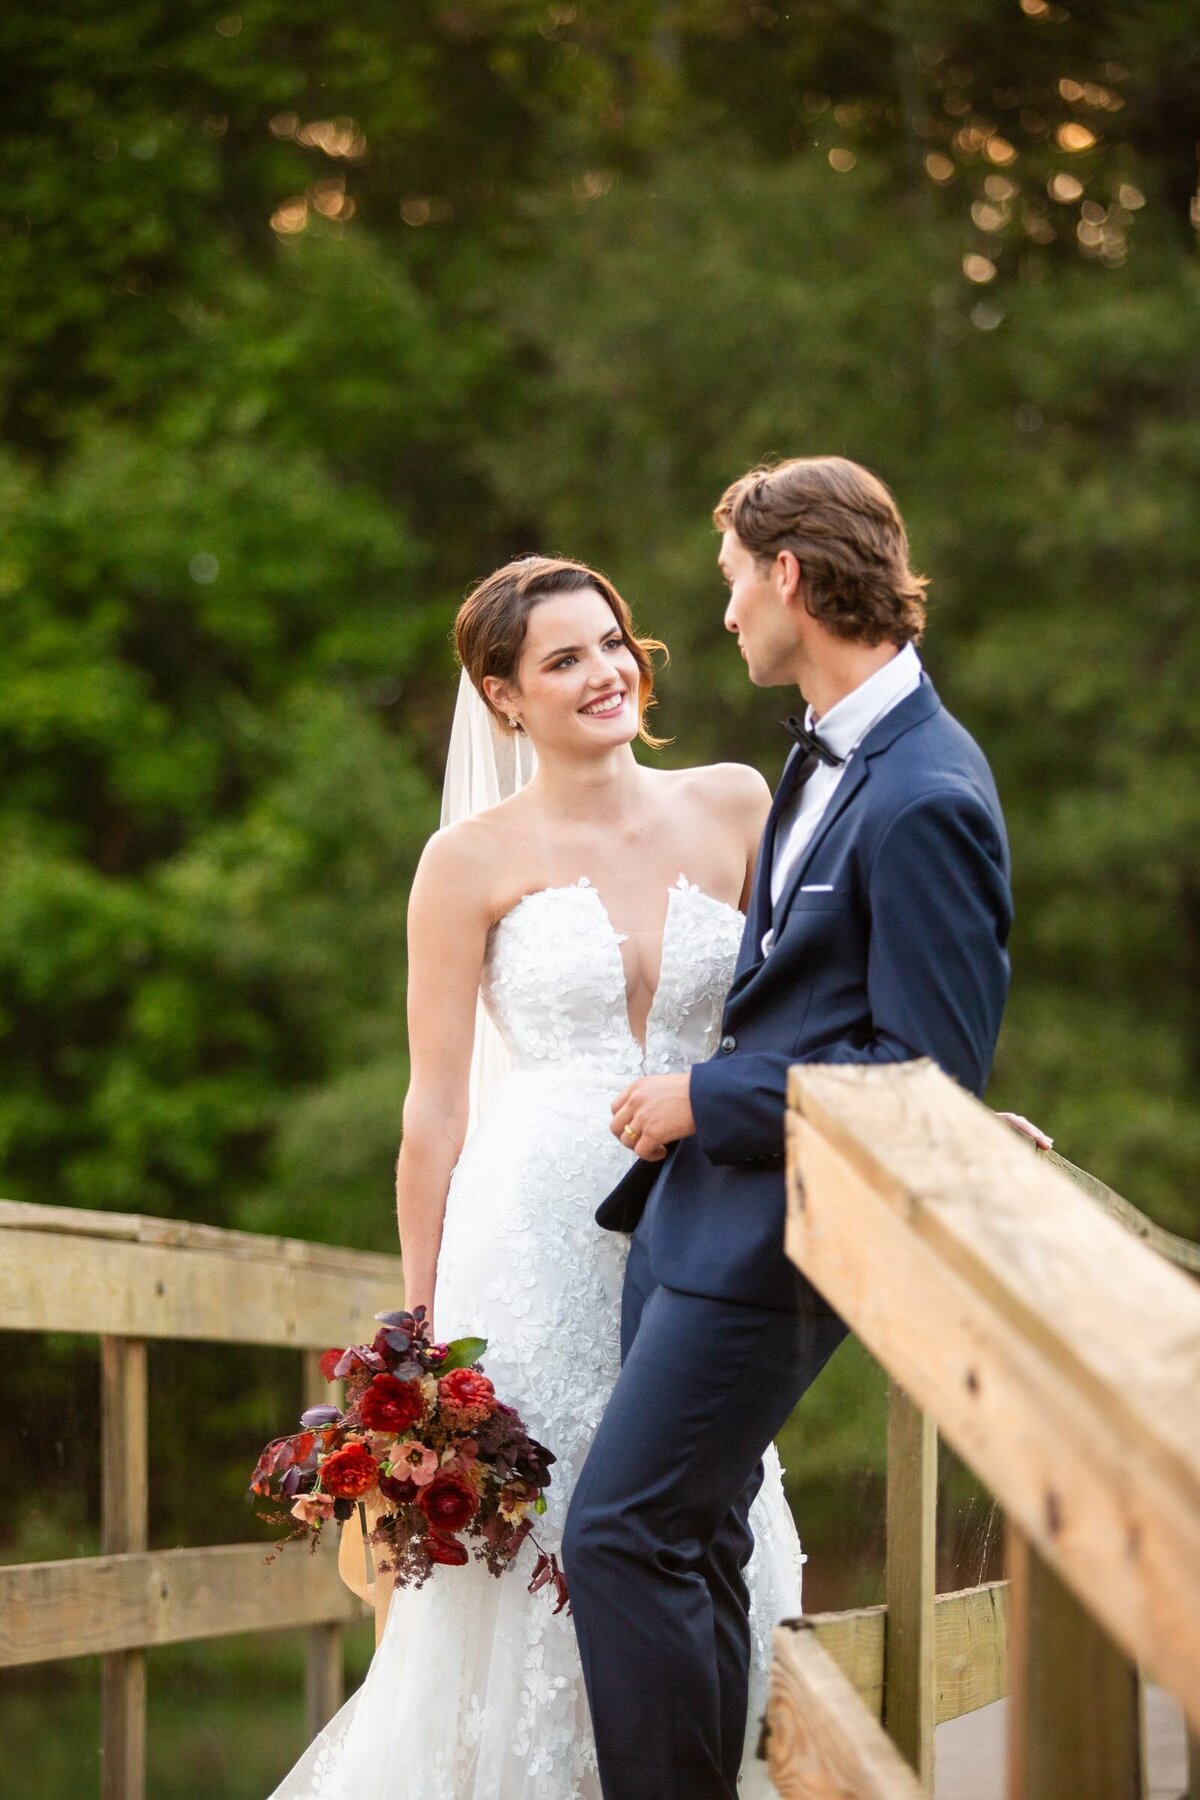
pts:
pixel 845 530
pixel 489 630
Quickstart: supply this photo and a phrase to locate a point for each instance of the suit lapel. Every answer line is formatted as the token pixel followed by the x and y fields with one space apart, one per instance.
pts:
pixel 918 705
pixel 758 914
pixel 843 794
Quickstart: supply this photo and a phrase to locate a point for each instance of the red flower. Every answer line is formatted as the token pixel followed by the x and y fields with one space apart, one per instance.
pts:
pixel 390 1404
pixel 448 1502
pixel 445 1549
pixel 350 1472
pixel 466 1397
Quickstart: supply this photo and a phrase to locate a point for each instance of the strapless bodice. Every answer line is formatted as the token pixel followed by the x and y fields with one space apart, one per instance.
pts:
pixel 554 982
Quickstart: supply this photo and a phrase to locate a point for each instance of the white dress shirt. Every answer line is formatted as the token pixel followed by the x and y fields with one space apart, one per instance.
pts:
pixel 842 730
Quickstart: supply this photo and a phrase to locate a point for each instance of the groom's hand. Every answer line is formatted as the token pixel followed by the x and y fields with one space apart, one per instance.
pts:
pixel 653 1112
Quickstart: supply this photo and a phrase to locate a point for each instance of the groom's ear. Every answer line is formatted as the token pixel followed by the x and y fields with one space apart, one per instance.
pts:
pixel 789 578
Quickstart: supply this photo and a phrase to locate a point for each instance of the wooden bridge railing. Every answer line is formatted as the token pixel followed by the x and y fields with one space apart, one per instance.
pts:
pixel 129 1280
pixel 1060 1357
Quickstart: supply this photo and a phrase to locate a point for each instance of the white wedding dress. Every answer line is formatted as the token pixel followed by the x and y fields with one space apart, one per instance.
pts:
pixel 475 1691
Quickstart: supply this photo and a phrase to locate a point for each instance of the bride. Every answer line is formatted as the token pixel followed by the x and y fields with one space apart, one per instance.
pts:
pixel 594 912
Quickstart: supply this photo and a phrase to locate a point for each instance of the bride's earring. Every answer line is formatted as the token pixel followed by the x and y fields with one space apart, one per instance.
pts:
pixel 514 724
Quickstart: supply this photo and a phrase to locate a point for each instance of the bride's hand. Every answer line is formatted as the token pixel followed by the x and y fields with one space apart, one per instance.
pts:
pixel 1022 1126
pixel 652 1113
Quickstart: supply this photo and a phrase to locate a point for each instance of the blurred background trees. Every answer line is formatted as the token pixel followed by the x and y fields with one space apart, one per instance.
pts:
pixel 314 315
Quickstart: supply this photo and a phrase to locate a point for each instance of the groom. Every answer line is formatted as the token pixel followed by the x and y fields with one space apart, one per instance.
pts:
pixel 876 933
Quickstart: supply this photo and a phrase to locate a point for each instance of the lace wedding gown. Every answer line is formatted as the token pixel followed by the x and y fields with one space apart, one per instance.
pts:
pixel 475 1691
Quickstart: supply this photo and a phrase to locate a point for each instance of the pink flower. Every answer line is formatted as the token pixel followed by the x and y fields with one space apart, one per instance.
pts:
pixel 311 1509
pixel 415 1461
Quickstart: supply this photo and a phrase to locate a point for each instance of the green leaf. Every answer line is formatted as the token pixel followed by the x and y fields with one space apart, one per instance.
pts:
pixel 462 1353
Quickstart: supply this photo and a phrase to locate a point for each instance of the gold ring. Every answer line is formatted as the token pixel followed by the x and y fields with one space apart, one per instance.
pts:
pixel 631 1134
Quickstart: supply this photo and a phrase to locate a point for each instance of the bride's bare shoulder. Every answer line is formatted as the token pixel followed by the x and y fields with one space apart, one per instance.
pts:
pixel 465 864
pixel 457 861
pixel 728 787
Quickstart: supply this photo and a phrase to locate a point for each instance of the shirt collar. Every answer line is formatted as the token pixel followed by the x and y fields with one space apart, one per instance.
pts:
pixel 845 725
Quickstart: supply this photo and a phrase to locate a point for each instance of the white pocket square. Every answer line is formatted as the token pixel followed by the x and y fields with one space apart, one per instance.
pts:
pixel 817 887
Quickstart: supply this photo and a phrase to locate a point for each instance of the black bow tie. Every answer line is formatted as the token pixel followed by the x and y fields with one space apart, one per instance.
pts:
pixel 811 744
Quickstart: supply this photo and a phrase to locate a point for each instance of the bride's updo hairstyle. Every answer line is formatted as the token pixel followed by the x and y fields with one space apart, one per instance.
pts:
pixel 489 631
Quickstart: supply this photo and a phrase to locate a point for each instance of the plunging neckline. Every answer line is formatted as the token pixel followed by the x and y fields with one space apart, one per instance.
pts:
pixel 681 885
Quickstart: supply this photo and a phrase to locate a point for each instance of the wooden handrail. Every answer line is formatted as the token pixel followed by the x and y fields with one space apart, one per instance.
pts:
pixel 1178 1250
pixel 1060 1357
pixel 122 1275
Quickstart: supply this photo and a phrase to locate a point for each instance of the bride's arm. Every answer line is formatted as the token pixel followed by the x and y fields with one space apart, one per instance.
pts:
pixel 448 917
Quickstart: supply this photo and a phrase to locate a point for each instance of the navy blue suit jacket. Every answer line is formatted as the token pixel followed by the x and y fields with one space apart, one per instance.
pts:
pixel 890 943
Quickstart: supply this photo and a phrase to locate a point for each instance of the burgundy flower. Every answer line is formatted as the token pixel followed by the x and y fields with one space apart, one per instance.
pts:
pixel 466 1397
pixel 445 1549
pixel 391 1405
pixel 350 1472
pixel 448 1502
pixel 533 1462
pixel 398 1492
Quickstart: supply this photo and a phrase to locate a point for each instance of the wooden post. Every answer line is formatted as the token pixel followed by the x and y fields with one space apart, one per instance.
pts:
pixel 324 1688
pixel 324 1671
pixel 123 1528
pixel 1076 1720
pixel 909 1706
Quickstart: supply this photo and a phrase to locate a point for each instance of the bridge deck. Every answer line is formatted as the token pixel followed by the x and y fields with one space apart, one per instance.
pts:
pixel 970 1752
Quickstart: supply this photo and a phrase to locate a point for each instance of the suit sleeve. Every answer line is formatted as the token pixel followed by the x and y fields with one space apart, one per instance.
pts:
pixel 937 975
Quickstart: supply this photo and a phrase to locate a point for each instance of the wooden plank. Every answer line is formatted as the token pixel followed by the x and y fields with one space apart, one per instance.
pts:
pixel 124 1517
pixel 1075 1724
pixel 1028 1238
pixel 90 1605
pixel 970 1649
pixel 855 1642
pixel 182 1234
pixel 822 1742
pixel 1181 1251
pixel 60 1281
pixel 1058 1355
pixel 909 1700
pixel 324 1658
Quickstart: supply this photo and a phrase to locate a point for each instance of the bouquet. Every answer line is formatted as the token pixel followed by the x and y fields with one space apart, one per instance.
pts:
pixel 424 1438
